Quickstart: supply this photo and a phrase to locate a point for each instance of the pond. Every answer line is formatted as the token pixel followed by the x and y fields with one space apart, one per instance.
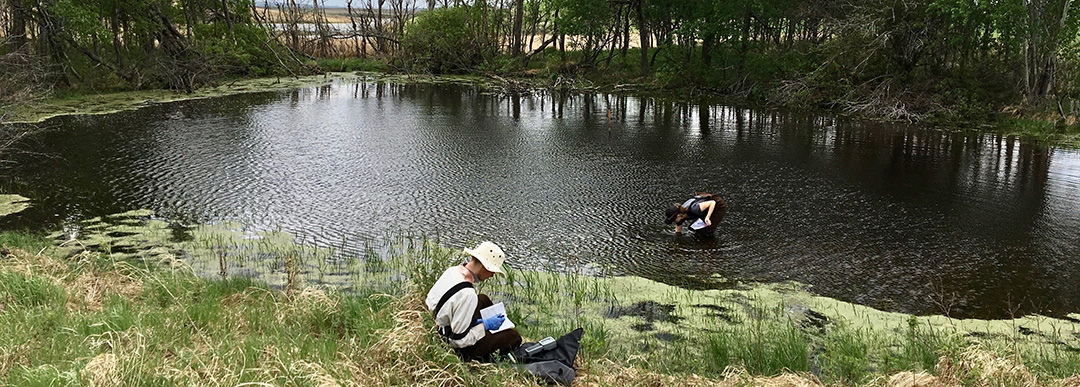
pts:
pixel 892 216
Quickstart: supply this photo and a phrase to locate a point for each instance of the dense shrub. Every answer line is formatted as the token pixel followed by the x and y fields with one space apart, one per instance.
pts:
pixel 440 41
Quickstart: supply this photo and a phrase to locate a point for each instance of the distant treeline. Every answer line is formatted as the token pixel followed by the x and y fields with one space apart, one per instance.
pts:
pixel 902 59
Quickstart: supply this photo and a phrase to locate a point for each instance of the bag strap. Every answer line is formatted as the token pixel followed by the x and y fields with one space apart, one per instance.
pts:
pixel 448 332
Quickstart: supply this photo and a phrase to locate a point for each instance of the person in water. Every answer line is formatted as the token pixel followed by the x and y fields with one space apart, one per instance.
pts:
pixel 456 306
pixel 705 206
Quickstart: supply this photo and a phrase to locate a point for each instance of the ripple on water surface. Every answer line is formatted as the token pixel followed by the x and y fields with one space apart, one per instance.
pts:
pixel 891 216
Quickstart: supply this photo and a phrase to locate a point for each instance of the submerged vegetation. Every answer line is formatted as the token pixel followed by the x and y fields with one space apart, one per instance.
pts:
pixel 131 299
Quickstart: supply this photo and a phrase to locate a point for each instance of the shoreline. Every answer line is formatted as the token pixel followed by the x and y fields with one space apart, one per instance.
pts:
pixel 97 104
pixel 695 330
pixel 107 103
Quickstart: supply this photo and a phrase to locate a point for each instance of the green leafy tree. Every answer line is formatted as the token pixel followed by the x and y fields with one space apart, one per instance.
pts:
pixel 445 41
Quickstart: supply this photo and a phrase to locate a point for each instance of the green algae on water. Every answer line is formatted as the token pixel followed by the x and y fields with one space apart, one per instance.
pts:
pixel 628 315
pixel 11 204
pixel 132 100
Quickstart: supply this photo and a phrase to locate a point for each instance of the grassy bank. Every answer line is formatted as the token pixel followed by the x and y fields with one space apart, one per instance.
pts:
pixel 234 306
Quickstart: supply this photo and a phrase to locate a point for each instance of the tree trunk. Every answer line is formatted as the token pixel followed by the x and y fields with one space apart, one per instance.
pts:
pixel 706 49
pixel 1045 80
pixel 562 46
pixel 1041 49
pixel 643 36
pixel 228 20
pixel 519 15
pixel 379 43
pixel 352 19
pixel 626 34
pixel 116 40
pixel 17 27
pixel 744 46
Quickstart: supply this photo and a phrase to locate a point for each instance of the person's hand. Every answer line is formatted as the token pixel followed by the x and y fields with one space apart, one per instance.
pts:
pixel 494 322
pixel 708 222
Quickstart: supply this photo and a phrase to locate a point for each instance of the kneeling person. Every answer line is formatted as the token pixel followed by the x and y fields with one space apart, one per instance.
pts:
pixel 707 207
pixel 456 306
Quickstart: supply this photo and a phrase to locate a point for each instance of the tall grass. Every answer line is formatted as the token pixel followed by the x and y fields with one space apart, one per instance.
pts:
pixel 764 345
pixel 22 290
pixel 33 242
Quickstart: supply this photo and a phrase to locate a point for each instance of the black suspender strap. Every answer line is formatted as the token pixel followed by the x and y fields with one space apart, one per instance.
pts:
pixel 450 293
pixel 447 331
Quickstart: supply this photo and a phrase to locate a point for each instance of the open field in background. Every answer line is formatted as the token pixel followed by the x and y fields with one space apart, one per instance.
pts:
pixel 347 48
pixel 332 15
pixel 130 299
pixel 342 21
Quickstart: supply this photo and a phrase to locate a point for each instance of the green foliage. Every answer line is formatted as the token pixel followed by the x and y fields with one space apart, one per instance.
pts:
pixel 142 44
pixel 439 41
pixel 252 54
pixel 923 346
pixel 427 263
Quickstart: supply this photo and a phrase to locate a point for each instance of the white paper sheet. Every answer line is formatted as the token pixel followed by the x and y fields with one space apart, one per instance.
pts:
pixel 494 310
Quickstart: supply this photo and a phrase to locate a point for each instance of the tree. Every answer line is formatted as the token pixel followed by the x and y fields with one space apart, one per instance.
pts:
pixel 519 15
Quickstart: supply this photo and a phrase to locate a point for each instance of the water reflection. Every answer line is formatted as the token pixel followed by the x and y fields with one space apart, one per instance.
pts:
pixel 892 216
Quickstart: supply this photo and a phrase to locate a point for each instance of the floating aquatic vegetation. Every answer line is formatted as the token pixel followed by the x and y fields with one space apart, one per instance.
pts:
pixel 10 204
pixel 131 100
pixel 766 327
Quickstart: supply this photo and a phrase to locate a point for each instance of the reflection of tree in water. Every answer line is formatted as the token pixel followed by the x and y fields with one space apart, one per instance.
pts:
pixel 1003 182
pixel 957 210
pixel 861 211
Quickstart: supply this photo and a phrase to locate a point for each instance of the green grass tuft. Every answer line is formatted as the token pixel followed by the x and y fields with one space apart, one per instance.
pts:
pixel 29 291
pixel 28 241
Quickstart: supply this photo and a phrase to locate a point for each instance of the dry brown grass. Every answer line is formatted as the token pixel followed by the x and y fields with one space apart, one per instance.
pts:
pixel 606 372
pixel 102 370
pixel 1073 381
pixel 315 374
pixel 305 302
pixel 308 16
pixel 397 358
pixel 89 289
pixel 14 356
pixel 29 264
pixel 986 369
pixel 917 379
pixel 401 356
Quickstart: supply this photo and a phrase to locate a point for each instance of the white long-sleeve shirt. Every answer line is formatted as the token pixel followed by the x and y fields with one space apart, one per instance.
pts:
pixel 457 312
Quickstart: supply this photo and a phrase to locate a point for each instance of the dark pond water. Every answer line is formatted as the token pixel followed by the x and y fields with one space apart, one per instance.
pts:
pixel 891 216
